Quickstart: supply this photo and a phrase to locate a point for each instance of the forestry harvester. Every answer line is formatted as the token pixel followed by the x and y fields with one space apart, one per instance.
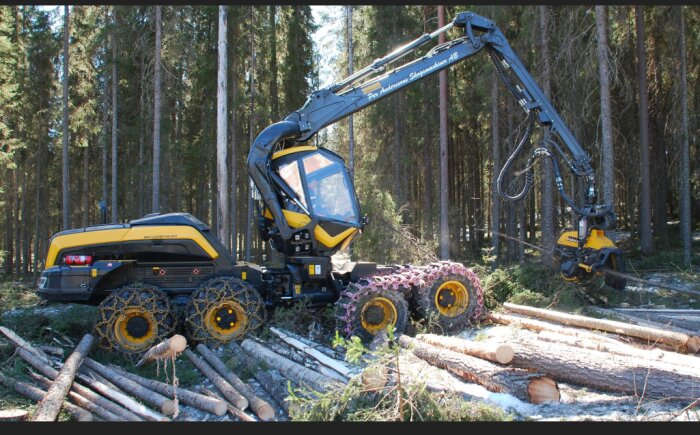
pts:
pixel 140 272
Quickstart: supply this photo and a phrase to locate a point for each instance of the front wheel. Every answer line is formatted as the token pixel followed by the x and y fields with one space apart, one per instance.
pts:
pixel 223 309
pixel 452 302
pixel 134 318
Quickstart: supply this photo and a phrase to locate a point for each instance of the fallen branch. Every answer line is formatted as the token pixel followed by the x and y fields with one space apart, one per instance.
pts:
pixel 260 407
pixel 36 394
pixel 50 405
pixel 221 384
pixel 681 341
pixel 20 342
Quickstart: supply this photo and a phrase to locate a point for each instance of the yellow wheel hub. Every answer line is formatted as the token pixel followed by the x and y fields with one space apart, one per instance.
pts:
pixel 226 320
pixel 135 329
pixel 377 314
pixel 451 298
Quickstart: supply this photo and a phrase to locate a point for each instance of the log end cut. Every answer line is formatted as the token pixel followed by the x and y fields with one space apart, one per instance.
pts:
pixel 543 390
pixel 265 412
pixel 13 415
pixel 693 344
pixel 504 353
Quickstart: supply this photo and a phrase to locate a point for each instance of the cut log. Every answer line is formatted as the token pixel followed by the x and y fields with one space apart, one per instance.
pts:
pixel 81 401
pixel 230 393
pixel 622 349
pixel 13 415
pixel 541 325
pixel 501 353
pixel 196 400
pixel 166 406
pixel 20 342
pixel 276 385
pixel 232 409
pixel 683 342
pixel 607 371
pixel 289 369
pixel 165 349
pixel 636 320
pixel 241 358
pixel 517 382
pixel 330 353
pixel 36 394
pixel 51 350
pixel 327 371
pixel 260 407
pixel 334 364
pixel 686 319
pixel 291 354
pixel 49 407
pixel 51 373
pixel 375 377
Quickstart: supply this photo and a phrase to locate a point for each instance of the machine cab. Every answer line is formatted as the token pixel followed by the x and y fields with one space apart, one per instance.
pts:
pixel 317 195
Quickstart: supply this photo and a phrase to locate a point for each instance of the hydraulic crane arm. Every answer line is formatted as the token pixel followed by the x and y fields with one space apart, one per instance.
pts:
pixel 327 106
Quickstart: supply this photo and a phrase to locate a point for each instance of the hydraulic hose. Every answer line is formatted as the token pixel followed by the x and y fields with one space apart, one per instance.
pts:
pixel 529 175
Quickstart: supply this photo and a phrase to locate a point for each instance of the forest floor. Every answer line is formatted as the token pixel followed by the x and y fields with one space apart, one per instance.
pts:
pixel 64 324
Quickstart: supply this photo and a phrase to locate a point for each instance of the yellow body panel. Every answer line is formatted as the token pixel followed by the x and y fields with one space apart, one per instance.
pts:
pixel 294 219
pixel 596 240
pixel 299 220
pixel 291 150
pixel 325 238
pixel 146 232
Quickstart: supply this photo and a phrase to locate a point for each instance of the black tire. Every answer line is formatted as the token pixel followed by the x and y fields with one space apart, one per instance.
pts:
pixel 373 311
pixel 223 309
pixel 134 318
pixel 450 303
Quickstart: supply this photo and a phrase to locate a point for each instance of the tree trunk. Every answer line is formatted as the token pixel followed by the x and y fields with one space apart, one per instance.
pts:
pixel 684 157
pixel 547 194
pixel 444 222
pixel 274 95
pixel 36 394
pixel 114 116
pixel 606 371
pixel 496 156
pixel 684 342
pixel 524 385
pixel 167 406
pixel 105 126
pixel 647 243
pixel 261 408
pixel 199 401
pixel 165 349
pixel 289 369
pixel 351 128
pixel 221 131
pixel 608 154
pixel 52 373
pixel 66 173
pixel 230 393
pixel 501 353
pixel 50 405
pixel 155 206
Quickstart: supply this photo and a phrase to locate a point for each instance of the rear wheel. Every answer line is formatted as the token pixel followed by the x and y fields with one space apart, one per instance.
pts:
pixel 451 302
pixel 368 312
pixel 134 318
pixel 223 309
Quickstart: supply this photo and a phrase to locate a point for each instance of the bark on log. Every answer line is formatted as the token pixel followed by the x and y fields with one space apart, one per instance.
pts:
pixel 291 355
pixel 241 358
pixel 501 353
pixel 166 406
pixel 199 401
pixel 289 369
pixel 606 371
pixel 165 349
pixel 13 415
pixel 260 407
pixel 541 325
pixel 51 373
pixel 50 405
pixel 518 382
pixel 81 401
pixel 327 371
pixel 334 364
pixel 622 349
pixel 686 319
pixel 683 342
pixel 51 350
pixel 36 394
pixel 232 409
pixel 276 385
pixel 330 353
pixel 635 320
pixel 20 342
pixel 230 393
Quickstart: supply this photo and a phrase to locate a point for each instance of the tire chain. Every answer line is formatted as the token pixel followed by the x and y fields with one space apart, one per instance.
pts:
pixel 404 278
pixel 149 298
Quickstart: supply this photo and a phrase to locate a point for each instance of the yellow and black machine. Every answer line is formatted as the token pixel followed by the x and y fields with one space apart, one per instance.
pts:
pixel 142 273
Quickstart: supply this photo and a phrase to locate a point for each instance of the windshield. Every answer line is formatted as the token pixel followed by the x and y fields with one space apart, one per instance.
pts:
pixel 330 193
